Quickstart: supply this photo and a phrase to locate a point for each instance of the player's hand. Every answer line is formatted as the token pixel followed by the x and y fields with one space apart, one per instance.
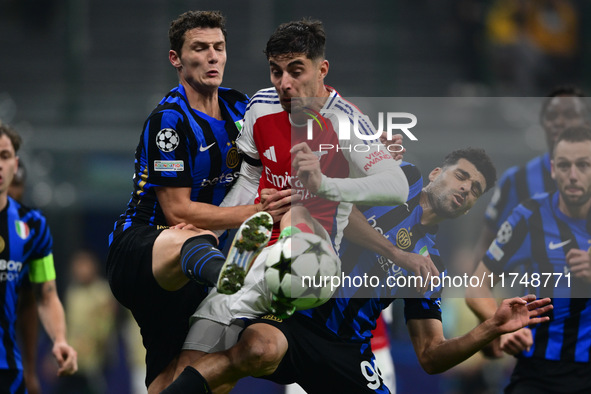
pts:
pixel 519 312
pixel 579 263
pixel 197 230
pixel 396 150
pixel 515 342
pixel 307 166
pixel 185 226
pixel 277 202
pixel 66 357
pixel 419 265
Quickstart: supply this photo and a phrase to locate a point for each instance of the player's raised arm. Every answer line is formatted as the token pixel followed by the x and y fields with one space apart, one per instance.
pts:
pixel 437 354
pixel 375 178
pixel 383 183
pixel 360 232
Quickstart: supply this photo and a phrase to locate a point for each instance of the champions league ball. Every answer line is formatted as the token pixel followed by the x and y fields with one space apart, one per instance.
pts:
pixel 298 270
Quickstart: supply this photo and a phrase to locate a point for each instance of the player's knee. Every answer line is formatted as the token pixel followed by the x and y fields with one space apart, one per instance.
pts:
pixel 296 214
pixel 264 357
pixel 285 220
pixel 263 353
pixel 166 254
pixel 300 213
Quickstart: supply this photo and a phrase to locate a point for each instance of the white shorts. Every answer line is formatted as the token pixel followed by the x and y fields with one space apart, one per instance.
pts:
pixel 210 337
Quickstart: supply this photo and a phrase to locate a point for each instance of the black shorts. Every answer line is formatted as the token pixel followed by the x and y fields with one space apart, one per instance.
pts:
pixel 537 376
pixel 321 362
pixel 163 316
pixel 12 381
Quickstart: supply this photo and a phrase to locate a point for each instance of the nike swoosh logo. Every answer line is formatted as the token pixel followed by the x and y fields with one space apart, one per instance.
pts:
pixel 553 246
pixel 204 148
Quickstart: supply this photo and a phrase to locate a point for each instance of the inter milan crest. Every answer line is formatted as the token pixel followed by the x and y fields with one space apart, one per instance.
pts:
pixel 403 240
pixel 167 140
pixel 232 158
pixel 2 244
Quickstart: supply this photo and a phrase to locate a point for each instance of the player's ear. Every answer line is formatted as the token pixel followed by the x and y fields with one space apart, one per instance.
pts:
pixel 175 59
pixel 323 68
pixel 552 172
pixel 434 174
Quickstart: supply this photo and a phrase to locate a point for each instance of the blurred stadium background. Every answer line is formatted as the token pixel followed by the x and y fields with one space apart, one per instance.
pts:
pixel 78 78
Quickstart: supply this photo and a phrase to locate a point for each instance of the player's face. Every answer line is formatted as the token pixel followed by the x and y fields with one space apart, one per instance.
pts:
pixel 8 163
pixel 455 189
pixel 202 59
pixel 571 169
pixel 561 113
pixel 299 81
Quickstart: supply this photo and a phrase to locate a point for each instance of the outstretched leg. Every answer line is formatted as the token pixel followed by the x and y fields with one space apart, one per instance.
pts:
pixel 258 353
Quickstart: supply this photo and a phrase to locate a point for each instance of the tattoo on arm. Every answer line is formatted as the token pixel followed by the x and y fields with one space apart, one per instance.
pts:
pixel 44 289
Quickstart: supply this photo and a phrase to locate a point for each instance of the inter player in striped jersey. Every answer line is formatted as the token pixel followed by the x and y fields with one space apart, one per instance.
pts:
pixel 27 319
pixel 564 107
pixel 334 339
pixel 160 263
pixel 548 237
pixel 327 349
pixel 26 249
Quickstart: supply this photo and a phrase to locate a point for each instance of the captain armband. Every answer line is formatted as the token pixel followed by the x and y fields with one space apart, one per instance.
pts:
pixel 42 270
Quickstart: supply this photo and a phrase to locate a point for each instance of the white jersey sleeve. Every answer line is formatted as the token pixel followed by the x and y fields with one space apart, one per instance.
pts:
pixel 385 187
pixel 375 178
pixel 245 189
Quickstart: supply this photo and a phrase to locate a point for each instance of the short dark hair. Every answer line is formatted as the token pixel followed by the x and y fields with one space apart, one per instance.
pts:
pixel 479 158
pixel 304 36
pixel 563 90
pixel 191 20
pixel 15 139
pixel 574 134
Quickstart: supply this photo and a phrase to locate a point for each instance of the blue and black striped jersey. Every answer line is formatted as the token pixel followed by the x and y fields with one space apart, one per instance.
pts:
pixel 535 239
pixel 24 240
pixel 352 312
pixel 183 147
pixel 517 185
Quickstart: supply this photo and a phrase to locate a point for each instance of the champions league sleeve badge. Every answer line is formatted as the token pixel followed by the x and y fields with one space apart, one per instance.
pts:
pixel 167 140
pixel 504 234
